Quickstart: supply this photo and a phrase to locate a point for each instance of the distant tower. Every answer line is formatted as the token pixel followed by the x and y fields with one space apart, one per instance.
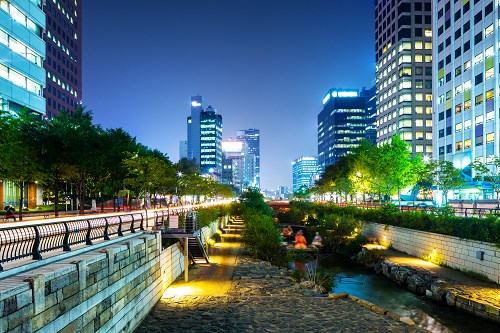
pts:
pixel 370 113
pixel 193 129
pixel 63 62
pixel 304 169
pixel 211 142
pixel 182 149
pixel 251 138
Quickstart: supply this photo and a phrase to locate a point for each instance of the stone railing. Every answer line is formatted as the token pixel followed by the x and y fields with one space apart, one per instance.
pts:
pixel 106 290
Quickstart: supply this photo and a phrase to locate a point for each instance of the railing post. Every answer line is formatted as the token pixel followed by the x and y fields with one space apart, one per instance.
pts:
pixel 120 233
pixel 132 230
pixel 142 222
pixel 66 238
pixel 36 245
pixel 106 229
pixel 88 240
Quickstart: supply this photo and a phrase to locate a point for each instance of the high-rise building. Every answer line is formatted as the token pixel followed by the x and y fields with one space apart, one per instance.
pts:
pixel 183 149
pixel 370 113
pixel 210 142
pixel 22 76
pixel 403 46
pixel 204 137
pixel 63 62
pixel 304 171
pixel 251 138
pixel 341 125
pixel 233 164
pixel 466 40
pixel 22 50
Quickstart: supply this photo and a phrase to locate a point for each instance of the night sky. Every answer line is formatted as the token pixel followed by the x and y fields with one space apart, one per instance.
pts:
pixel 262 64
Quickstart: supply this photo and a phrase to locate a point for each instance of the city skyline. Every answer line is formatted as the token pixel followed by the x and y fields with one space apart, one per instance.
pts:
pixel 264 65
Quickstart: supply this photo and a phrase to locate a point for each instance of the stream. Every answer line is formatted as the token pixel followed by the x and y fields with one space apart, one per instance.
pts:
pixel 377 289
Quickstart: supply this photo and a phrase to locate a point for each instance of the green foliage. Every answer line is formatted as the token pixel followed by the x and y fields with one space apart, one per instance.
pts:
pixel 368 257
pixel 207 215
pixel 253 200
pixel 261 238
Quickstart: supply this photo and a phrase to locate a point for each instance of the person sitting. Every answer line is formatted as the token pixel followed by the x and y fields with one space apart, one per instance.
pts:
pixel 287 233
pixel 10 213
pixel 300 241
pixel 317 240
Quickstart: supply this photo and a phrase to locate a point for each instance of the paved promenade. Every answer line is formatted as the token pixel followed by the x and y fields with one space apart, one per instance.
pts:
pixel 240 294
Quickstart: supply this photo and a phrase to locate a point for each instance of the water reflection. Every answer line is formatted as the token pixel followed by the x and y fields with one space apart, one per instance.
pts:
pixel 379 290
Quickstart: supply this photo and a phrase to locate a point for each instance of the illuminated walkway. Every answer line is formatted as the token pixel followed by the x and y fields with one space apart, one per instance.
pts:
pixel 212 302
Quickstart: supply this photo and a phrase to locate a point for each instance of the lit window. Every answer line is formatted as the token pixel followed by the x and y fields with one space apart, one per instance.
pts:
pixel 467 105
pixel 406 136
pixel 458 127
pixel 479 99
pixel 405 84
pixel 428 45
pixel 428 97
pixel 419 97
pixel 490 116
pixel 489 52
pixel 405 58
pixel 467 85
pixel 419 148
pixel 478 58
pixel 458 146
pixel 405 46
pixel 418 45
pixel 428 58
pixel 467 65
pixel 419 135
pixel 458 108
pixel 418 58
pixel 428 33
pixel 419 122
pixel 490 94
pixel 428 109
pixel 467 144
pixel 405 71
pixel 490 137
pixel 428 123
pixel 458 89
pixel 419 109
pixel 405 98
pixel 489 30
pixel 467 124
pixel 479 119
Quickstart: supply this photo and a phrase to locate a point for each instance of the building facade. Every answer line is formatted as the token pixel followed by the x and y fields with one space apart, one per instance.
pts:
pixel 251 138
pixel 370 113
pixel 193 129
pixel 63 62
pixel 22 51
pixel 466 85
pixel 403 47
pixel 341 125
pixel 22 76
pixel 304 171
pixel 210 142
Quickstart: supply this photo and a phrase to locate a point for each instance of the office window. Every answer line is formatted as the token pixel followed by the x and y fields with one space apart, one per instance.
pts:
pixel 458 89
pixel 478 79
pixel 490 94
pixel 479 99
pixel 478 38
pixel 467 65
pixel 488 9
pixel 478 58
pixel 467 144
pixel 467 46
pixel 418 45
pixel 458 146
pixel 490 116
pixel 441 133
pixel 466 26
pixel 428 123
pixel 467 124
pixel 488 30
pixel 441 150
pixel 458 108
pixel 490 137
pixel 419 84
pixel 489 52
pixel 458 33
pixel 467 105
pixel 479 119
pixel 458 127
pixel 458 52
pixel 458 70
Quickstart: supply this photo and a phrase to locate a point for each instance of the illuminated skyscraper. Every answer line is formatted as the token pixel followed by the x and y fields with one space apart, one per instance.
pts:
pixel 403 46
pixel 304 170
pixel 466 71
pixel 204 130
pixel 251 138
pixel 341 125
pixel 63 63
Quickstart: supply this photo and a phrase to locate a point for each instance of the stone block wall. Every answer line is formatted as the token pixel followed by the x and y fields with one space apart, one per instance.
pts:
pixel 109 290
pixel 455 252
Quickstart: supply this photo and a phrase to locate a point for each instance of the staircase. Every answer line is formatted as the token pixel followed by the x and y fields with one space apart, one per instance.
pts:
pixel 235 226
pixel 196 251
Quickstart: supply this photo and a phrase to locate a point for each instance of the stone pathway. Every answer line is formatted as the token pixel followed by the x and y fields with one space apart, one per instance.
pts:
pixel 263 298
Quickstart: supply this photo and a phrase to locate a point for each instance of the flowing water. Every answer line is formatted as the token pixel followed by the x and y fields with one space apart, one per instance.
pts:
pixel 377 289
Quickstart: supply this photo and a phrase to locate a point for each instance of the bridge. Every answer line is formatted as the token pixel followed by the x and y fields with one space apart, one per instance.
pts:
pixel 95 273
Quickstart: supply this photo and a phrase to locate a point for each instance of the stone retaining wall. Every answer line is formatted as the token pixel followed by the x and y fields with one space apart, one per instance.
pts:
pixel 464 254
pixel 109 290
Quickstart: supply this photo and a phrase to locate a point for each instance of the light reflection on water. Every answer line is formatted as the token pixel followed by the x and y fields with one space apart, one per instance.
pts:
pixel 379 290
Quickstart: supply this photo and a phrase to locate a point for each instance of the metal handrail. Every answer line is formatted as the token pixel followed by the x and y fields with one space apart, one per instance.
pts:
pixel 33 240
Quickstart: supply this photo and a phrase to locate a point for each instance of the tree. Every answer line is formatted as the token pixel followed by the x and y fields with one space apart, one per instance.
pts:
pixel 444 175
pixel 21 133
pixel 489 171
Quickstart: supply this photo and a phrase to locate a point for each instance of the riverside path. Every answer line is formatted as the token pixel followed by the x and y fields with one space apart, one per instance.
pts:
pixel 239 294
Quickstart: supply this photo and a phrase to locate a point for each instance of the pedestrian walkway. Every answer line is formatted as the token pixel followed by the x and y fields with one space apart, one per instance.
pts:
pixel 239 294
